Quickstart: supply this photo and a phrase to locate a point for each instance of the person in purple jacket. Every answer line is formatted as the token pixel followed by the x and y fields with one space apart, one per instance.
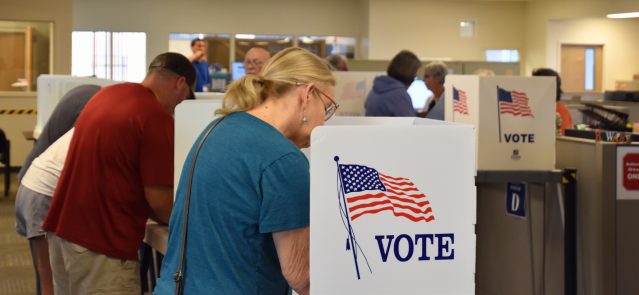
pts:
pixel 389 98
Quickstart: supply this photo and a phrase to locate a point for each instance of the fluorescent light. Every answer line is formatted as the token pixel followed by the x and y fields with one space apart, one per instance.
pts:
pixel 624 15
pixel 245 36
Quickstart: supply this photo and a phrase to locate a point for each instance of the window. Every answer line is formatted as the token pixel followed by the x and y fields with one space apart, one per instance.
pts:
pixel 590 69
pixel 502 55
pixel 216 47
pixel 119 56
pixel 272 43
pixel 324 46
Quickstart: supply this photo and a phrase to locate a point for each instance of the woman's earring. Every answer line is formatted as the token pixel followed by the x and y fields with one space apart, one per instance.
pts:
pixel 304 120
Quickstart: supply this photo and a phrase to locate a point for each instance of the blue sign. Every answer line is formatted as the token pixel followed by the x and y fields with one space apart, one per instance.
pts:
pixel 516 199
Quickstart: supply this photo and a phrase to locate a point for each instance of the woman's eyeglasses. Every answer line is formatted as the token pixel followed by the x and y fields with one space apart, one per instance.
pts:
pixel 328 111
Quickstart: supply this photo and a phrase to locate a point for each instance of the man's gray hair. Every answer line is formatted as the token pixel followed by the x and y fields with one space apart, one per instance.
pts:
pixel 437 69
pixel 336 61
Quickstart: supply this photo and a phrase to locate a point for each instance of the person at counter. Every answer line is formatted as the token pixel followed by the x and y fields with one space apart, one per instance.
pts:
pixel 118 173
pixel 34 194
pixel 248 216
pixel 435 77
pixel 32 204
pixel 198 58
pixel 338 62
pixel 561 109
pixel 389 96
pixel 255 59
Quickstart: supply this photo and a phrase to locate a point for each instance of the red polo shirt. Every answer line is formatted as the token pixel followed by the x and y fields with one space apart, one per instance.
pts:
pixel 123 141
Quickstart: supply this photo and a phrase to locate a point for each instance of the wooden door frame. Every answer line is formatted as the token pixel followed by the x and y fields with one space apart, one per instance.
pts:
pixel 26 44
pixel 584 44
pixel 561 43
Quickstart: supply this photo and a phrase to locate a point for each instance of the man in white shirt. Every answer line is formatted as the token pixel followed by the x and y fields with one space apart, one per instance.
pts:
pixel 33 201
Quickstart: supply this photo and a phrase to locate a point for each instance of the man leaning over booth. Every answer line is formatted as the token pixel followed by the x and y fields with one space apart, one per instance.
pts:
pixel 118 173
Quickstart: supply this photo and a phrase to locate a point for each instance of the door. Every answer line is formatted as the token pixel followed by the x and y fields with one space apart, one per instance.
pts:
pixel 12 59
pixel 581 68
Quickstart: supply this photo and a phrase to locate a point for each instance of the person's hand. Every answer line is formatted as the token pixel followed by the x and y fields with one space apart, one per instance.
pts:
pixel 196 56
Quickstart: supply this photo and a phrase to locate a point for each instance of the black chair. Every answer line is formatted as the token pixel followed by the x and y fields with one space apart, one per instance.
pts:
pixel 5 158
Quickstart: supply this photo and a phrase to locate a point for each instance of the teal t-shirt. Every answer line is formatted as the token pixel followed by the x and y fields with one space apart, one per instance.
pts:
pixel 249 181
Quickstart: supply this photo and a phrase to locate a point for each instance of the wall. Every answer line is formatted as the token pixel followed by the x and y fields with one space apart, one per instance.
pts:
pixel 539 13
pixel 431 28
pixel 619 37
pixel 158 18
pixel 60 12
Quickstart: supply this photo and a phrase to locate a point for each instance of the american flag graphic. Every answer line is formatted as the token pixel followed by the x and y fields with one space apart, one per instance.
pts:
pixel 513 102
pixel 459 101
pixel 369 192
pixel 354 90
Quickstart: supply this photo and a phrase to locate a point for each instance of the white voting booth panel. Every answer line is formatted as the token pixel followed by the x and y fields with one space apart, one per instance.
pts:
pixel 514 119
pixel 393 207
pixel 51 88
pixel 209 95
pixel 351 90
pixel 191 117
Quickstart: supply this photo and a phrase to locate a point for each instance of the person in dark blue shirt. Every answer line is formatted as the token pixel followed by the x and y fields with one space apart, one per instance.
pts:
pixel 201 66
pixel 389 97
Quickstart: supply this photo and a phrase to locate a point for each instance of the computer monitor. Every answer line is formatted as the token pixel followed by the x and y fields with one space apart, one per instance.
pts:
pixel 238 70
pixel 419 94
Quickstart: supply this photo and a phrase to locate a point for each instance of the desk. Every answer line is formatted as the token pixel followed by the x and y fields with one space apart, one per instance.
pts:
pixel 157 236
pixel 152 253
pixel 518 256
pixel 28 135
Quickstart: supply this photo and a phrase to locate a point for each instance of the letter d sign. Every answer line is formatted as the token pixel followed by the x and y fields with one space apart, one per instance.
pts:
pixel 516 199
pixel 514 203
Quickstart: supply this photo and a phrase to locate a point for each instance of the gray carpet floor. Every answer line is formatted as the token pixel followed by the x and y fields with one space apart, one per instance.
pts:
pixel 17 275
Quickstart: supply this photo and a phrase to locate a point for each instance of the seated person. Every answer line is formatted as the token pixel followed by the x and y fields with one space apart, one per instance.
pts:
pixel 255 59
pixel 389 97
pixel 484 72
pixel 561 109
pixel 434 78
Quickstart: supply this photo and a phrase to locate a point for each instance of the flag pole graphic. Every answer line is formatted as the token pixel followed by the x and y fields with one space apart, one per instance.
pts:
pixel 498 113
pixel 453 103
pixel 350 229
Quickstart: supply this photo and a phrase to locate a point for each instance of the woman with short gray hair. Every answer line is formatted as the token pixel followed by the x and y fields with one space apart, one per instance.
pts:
pixel 434 78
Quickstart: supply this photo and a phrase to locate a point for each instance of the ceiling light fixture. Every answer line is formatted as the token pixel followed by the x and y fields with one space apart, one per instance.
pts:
pixel 245 36
pixel 624 15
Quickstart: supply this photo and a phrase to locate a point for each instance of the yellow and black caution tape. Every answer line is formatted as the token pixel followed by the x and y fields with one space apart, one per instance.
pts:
pixel 18 112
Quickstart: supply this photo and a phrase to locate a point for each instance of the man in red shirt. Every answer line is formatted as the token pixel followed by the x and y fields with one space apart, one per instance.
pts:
pixel 118 173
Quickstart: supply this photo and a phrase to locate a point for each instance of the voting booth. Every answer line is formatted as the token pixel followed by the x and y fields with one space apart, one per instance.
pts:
pixel 351 90
pixel 392 207
pixel 51 88
pixel 209 95
pixel 514 119
pixel 408 227
pixel 191 117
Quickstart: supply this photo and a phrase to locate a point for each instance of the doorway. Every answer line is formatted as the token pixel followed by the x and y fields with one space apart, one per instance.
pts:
pixel 581 68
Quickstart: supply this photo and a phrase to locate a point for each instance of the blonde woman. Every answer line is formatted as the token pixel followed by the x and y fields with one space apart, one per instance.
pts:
pixel 248 222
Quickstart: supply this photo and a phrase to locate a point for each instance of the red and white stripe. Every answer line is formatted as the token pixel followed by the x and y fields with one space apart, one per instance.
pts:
pixel 461 106
pixel 401 197
pixel 518 107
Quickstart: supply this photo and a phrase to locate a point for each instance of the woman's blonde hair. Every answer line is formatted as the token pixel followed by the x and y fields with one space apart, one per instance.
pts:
pixel 278 76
